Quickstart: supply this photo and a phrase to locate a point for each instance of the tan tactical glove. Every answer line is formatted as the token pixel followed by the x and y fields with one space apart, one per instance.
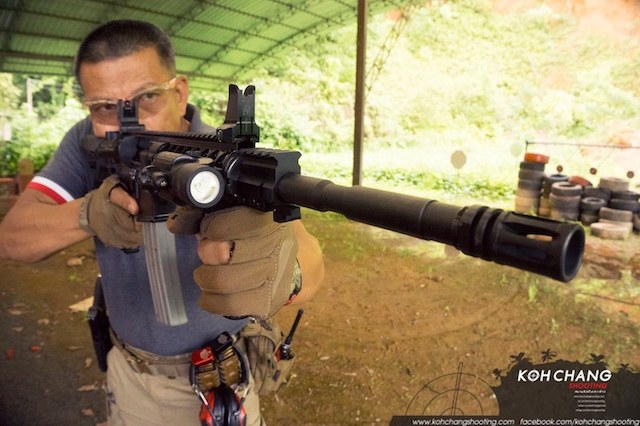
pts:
pixel 112 224
pixel 259 278
pixel 185 220
pixel 262 341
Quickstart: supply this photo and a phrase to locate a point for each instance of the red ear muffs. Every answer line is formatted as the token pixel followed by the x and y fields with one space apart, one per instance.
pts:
pixel 224 408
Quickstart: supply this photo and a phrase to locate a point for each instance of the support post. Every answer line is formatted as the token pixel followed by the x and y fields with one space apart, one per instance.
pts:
pixel 361 60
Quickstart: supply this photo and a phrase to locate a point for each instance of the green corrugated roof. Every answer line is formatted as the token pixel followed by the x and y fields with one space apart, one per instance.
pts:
pixel 216 41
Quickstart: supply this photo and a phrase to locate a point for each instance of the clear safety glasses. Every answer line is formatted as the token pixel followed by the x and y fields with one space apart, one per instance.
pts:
pixel 151 100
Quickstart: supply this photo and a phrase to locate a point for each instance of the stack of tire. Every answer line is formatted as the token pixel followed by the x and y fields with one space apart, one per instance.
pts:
pixel 610 209
pixel 530 178
pixel 593 200
pixel 545 197
pixel 620 213
pixel 544 210
pixel 565 201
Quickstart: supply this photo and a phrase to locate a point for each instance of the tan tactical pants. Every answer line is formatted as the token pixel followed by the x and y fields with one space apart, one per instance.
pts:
pixel 135 399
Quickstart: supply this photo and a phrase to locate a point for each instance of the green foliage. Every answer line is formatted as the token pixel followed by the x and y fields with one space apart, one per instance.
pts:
pixel 48 93
pixel 212 105
pixel 492 76
pixel 12 152
pixel 305 101
pixel 10 94
pixel 479 188
pixel 35 135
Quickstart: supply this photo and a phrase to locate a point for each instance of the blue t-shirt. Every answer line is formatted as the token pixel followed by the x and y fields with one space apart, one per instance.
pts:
pixel 125 279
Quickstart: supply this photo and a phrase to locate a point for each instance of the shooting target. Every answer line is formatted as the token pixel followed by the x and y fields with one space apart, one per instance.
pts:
pixel 458 159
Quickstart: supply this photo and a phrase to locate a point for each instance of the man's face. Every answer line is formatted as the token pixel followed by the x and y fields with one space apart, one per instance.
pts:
pixel 140 73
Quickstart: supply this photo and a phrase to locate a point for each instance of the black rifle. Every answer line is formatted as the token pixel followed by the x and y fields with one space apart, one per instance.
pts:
pixel 225 169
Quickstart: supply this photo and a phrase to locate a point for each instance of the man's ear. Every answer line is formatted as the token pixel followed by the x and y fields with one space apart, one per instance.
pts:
pixel 182 89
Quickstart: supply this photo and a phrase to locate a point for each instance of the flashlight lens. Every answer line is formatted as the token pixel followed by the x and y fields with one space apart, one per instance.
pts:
pixel 204 187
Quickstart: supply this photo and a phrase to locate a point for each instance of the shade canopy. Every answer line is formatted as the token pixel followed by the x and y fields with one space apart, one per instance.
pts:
pixel 216 41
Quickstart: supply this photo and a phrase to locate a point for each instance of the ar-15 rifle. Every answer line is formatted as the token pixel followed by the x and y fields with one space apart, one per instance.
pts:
pixel 225 169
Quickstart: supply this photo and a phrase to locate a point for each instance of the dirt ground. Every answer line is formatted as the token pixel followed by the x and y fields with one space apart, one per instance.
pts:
pixel 394 314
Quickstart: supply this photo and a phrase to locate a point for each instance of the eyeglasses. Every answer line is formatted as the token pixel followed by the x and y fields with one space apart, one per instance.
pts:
pixel 150 101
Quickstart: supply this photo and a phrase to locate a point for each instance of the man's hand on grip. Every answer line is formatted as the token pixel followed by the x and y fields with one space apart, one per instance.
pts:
pixel 252 272
pixel 110 221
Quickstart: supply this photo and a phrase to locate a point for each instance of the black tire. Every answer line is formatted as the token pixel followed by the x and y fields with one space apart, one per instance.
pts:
pixel 556 177
pixel 614 184
pixel 588 218
pixel 545 202
pixel 531 174
pixel 528 193
pixel 626 195
pixel 566 189
pixel 628 225
pixel 602 193
pixel 527 201
pixel 568 203
pixel 592 204
pixel 609 231
pixel 615 215
pixel 630 205
pixel 526 206
pixel 544 211
pixel 556 214
pixel 527 165
pixel 547 181
pixel 531 185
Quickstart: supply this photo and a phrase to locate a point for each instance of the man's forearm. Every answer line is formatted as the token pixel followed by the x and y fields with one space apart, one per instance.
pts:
pixel 36 227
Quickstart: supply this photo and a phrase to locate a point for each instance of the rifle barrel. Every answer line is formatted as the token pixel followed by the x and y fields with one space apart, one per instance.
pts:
pixel 546 247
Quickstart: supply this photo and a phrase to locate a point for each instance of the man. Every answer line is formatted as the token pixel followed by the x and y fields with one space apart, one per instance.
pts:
pixel 248 263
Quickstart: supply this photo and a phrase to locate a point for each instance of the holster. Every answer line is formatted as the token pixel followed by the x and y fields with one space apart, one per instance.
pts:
pixel 99 325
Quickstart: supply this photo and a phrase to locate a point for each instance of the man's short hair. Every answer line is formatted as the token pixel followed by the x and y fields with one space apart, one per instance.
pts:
pixel 119 38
